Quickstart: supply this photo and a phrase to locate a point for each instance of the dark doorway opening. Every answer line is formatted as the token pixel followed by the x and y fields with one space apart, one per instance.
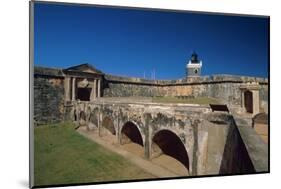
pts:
pixel 171 145
pixel 248 100
pixel 83 94
pixel 131 132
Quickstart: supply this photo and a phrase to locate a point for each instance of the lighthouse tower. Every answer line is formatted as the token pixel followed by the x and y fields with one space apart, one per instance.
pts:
pixel 193 68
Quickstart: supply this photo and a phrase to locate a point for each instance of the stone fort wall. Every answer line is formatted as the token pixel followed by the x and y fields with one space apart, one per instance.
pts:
pixel 224 87
pixel 49 90
pixel 48 96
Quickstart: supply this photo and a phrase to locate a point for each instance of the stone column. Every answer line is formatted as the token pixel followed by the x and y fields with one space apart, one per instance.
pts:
pixel 147 142
pixel 93 92
pixel 118 128
pixel 99 123
pixel 98 90
pixel 242 99
pixel 256 102
pixel 95 89
pixel 67 89
pixel 73 89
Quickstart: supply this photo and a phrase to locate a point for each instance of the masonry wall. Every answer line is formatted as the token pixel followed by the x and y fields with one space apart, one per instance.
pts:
pixel 236 158
pixel 233 149
pixel 223 87
pixel 49 90
pixel 48 97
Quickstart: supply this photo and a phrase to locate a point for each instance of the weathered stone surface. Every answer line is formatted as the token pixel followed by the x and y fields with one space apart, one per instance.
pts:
pixel 213 142
pixel 224 87
pixel 48 100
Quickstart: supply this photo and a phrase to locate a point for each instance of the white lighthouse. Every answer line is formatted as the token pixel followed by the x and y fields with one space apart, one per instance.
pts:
pixel 193 68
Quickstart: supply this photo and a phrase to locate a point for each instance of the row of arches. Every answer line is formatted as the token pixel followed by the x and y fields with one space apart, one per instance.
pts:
pixel 163 141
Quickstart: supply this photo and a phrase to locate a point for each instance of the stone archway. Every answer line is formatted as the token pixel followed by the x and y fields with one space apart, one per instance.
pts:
pixel 82 118
pixel 248 100
pixel 131 133
pixel 167 143
pixel 131 139
pixel 93 120
pixel 108 127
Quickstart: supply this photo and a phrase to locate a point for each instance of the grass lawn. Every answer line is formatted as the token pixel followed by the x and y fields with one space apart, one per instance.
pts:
pixel 198 100
pixel 62 156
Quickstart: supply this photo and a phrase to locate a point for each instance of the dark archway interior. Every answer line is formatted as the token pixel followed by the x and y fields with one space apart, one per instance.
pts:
pixel 83 94
pixel 75 116
pixel 132 132
pixel 171 145
pixel 108 124
pixel 82 116
pixel 248 95
pixel 93 118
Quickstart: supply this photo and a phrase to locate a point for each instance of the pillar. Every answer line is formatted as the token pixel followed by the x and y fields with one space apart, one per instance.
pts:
pixel 242 99
pixel 93 92
pixel 256 102
pixel 95 89
pixel 98 90
pixel 73 89
pixel 119 127
pixel 67 89
pixel 99 123
pixel 147 143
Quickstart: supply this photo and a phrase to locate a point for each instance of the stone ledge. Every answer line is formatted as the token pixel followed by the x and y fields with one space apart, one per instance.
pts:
pixel 187 81
pixel 257 149
pixel 56 72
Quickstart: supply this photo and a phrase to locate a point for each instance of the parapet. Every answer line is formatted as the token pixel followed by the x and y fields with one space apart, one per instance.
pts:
pixel 44 71
pixel 222 78
pixel 188 81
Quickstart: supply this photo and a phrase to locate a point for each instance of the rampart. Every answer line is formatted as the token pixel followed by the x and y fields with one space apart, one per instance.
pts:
pixel 49 90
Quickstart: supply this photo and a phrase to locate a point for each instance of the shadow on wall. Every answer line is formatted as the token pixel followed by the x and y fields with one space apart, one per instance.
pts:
pixel 107 124
pixel 235 159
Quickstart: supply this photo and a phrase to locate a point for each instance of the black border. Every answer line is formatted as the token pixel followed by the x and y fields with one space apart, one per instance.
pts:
pixel 31 64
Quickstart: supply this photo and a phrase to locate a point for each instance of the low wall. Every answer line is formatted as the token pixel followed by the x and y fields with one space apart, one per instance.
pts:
pixel 49 90
pixel 224 87
pixel 234 149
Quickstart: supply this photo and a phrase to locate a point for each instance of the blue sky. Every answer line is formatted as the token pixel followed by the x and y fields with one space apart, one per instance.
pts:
pixel 129 42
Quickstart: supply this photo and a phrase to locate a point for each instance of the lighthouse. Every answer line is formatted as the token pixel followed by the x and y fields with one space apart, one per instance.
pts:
pixel 193 67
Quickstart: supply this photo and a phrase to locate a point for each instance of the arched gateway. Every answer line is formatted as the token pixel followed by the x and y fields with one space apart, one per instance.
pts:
pixel 131 133
pixel 171 145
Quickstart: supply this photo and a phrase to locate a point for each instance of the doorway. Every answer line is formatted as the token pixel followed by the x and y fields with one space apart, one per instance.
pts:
pixel 248 100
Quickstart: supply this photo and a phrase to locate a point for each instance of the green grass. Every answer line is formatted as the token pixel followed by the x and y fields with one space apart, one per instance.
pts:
pixel 62 156
pixel 198 100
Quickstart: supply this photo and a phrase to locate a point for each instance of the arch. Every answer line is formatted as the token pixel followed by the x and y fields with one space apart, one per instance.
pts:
pixel 107 123
pixel 131 132
pixel 82 116
pixel 88 113
pixel 74 115
pixel 93 119
pixel 248 101
pixel 171 145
